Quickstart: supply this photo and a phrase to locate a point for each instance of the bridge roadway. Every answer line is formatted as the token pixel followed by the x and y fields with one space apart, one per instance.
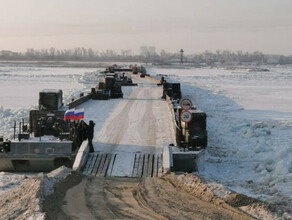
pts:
pixel 127 129
pixel 129 132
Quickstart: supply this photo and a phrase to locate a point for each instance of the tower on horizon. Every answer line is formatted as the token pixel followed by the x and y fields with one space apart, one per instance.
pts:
pixel 181 56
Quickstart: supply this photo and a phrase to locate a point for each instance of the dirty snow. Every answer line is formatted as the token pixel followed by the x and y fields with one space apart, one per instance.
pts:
pixel 11 180
pixel 249 127
pixel 24 201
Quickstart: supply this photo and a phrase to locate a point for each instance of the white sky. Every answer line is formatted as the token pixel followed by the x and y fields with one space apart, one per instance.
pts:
pixel 194 25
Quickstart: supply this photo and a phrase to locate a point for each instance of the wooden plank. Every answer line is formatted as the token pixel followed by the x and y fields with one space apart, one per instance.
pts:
pixel 87 164
pixel 89 161
pixel 150 165
pixel 111 165
pixel 140 168
pixel 106 165
pixel 136 165
pixel 123 164
pixel 96 165
pixel 155 166
pixel 160 165
pixel 139 161
pixel 145 168
pixel 92 163
pixel 98 173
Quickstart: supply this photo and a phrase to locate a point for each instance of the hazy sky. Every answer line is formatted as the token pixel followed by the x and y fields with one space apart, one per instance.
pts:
pixel 194 25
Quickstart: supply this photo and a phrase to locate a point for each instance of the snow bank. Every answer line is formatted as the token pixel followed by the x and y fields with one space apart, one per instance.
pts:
pixel 249 131
pixel 9 116
pixel 24 201
pixel 81 83
pixel 10 181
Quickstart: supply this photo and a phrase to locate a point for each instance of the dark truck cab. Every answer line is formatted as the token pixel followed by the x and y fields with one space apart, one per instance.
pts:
pixel 46 144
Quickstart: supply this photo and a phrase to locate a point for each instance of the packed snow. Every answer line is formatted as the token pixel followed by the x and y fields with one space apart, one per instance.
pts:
pixel 25 201
pixel 249 127
pixel 130 125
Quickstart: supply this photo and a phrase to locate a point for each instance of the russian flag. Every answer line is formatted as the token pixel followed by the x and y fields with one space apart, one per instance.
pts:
pixel 69 114
pixel 79 114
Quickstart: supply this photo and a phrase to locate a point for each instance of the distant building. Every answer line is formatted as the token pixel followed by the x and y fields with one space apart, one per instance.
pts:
pixel 147 51
pixel 143 51
pixel 152 50
pixel 273 59
pixel 7 53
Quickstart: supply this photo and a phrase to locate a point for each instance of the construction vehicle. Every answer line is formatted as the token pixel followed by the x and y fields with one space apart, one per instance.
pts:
pixel 109 87
pixel 135 70
pixel 126 80
pixel 171 89
pixel 187 154
pixel 115 68
pixel 194 133
pixel 45 144
pixel 191 135
pixel 114 86
pixel 48 119
pixel 139 69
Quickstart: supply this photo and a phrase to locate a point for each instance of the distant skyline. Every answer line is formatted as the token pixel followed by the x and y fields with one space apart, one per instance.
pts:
pixel 195 25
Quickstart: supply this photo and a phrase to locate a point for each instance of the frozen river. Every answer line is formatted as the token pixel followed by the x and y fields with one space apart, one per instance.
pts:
pixel 255 89
pixel 249 127
pixel 20 85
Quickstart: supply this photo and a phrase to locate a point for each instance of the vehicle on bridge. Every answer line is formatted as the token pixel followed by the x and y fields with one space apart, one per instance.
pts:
pixel 46 144
pixel 190 132
pixel 115 68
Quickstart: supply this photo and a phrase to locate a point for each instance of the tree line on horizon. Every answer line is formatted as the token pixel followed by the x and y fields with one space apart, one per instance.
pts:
pixel 163 57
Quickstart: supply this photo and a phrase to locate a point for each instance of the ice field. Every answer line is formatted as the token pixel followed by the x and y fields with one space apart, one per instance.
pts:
pixel 249 127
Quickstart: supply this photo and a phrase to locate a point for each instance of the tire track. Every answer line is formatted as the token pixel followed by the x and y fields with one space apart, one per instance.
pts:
pixel 153 198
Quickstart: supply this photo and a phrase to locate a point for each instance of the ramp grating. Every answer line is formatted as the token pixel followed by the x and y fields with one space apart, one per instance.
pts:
pixel 136 165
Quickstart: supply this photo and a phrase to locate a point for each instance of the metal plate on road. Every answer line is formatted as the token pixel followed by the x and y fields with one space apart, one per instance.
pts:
pixel 186 116
pixel 186 104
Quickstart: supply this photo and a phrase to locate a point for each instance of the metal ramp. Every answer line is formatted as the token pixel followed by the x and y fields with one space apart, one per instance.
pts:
pixel 123 164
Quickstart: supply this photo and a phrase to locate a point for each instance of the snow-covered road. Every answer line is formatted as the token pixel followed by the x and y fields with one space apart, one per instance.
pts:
pixel 138 123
